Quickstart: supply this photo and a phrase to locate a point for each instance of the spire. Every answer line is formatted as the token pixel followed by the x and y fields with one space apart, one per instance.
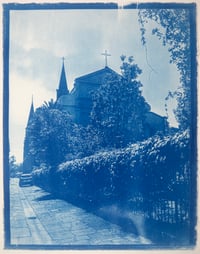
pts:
pixel 27 157
pixel 62 88
pixel 31 112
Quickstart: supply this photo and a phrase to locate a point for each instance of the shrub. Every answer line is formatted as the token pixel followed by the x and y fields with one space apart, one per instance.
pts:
pixel 152 177
pixel 155 169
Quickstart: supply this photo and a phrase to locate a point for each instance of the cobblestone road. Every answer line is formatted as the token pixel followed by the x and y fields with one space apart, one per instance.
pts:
pixel 38 219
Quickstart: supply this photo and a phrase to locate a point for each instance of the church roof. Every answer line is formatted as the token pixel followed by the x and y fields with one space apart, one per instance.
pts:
pixel 97 76
pixel 62 88
pixel 151 114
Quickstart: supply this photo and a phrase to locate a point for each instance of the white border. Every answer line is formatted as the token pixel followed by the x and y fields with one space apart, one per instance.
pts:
pixel 120 3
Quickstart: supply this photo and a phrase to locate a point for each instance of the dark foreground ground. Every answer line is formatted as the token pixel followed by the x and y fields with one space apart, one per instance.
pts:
pixel 38 218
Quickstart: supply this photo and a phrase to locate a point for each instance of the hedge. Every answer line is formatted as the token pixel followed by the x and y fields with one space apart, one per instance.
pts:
pixel 150 177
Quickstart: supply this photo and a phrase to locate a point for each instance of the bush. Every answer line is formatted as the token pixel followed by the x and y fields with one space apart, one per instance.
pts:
pixel 41 177
pixel 154 168
pixel 149 176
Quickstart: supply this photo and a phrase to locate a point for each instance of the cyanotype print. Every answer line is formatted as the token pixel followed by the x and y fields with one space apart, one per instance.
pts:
pixel 101 148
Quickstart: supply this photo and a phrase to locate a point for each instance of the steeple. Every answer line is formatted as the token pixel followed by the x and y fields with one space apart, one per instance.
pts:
pixel 27 157
pixel 62 88
pixel 31 113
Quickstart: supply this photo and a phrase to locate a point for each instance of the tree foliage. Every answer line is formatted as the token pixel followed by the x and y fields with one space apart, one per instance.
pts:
pixel 172 27
pixel 51 132
pixel 119 108
pixel 85 143
pixel 54 137
pixel 14 167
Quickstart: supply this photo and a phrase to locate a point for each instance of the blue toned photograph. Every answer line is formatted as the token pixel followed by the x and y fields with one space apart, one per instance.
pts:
pixel 99 124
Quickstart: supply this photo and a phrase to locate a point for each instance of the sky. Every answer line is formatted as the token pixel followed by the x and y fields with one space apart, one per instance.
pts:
pixel 40 38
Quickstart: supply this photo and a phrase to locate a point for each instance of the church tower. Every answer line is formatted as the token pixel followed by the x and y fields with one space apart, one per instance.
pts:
pixel 27 157
pixel 31 113
pixel 62 88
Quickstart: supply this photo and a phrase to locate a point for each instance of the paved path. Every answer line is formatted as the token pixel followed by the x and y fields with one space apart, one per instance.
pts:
pixel 37 218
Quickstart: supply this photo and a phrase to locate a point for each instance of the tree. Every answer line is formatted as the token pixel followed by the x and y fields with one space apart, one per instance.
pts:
pixel 14 167
pixel 85 143
pixel 119 108
pixel 173 28
pixel 52 132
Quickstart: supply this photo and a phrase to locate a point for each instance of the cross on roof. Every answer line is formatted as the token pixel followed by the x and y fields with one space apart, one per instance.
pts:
pixel 106 57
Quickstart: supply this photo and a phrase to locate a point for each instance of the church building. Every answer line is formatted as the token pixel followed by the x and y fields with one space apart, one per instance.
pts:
pixel 78 103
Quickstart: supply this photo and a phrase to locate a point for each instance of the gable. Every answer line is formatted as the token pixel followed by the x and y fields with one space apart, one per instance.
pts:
pixel 96 77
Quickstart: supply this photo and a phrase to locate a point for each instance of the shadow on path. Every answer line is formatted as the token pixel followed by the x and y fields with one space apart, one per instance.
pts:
pixel 108 213
pixel 46 197
pixel 159 234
